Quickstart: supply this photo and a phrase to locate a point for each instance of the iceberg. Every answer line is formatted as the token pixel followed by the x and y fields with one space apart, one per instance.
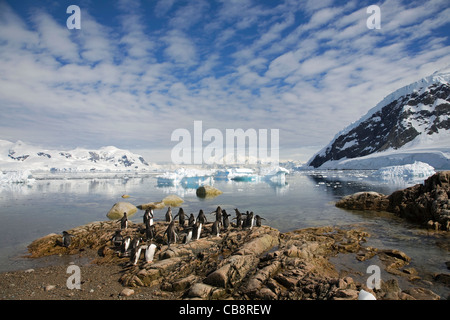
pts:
pixel 24 177
pixel 416 170
pixel 189 178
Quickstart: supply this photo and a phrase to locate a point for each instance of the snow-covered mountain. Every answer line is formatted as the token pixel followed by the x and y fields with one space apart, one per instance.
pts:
pixel 411 124
pixel 20 156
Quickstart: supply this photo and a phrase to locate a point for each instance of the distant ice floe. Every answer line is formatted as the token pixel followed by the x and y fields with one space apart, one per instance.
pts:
pixel 24 177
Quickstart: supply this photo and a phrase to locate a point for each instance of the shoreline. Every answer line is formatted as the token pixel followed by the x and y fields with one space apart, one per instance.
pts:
pixel 257 264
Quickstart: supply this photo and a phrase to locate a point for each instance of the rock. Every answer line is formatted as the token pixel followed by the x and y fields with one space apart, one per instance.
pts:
pixel 49 287
pixel 422 294
pixel 126 292
pixel 117 210
pixel 443 278
pixel 200 290
pixel 364 201
pixel 208 192
pixel 184 283
pixel 172 200
pixel 151 205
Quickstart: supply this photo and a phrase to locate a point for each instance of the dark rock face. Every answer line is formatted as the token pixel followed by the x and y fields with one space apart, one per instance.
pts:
pixel 422 203
pixel 426 204
pixel 392 126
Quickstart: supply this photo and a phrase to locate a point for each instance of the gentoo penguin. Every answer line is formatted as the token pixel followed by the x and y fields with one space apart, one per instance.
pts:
pixel 150 251
pixel 150 231
pixel 249 220
pixel 226 221
pixel 66 239
pixel 188 237
pixel 258 220
pixel 238 218
pixel 169 217
pixel 191 221
pixel 125 246
pixel 201 217
pixel 218 213
pixel 171 233
pixel 181 217
pixel 197 230
pixel 117 239
pixel 124 221
pixel 148 216
pixel 215 231
pixel 137 253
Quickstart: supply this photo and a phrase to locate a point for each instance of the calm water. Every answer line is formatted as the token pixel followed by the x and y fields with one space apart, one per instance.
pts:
pixel 306 200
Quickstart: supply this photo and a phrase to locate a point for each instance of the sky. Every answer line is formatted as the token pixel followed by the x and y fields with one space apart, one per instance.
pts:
pixel 136 71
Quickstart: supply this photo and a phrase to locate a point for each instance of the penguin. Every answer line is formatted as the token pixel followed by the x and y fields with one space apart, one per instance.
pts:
pixel 169 217
pixel 258 220
pixel 197 230
pixel 171 233
pixel 150 231
pixel 201 217
pixel 66 239
pixel 191 221
pixel 218 213
pixel 238 218
pixel 125 246
pixel 215 231
pixel 150 251
pixel 226 221
pixel 137 254
pixel 188 237
pixel 248 223
pixel 148 216
pixel 117 239
pixel 181 217
pixel 123 221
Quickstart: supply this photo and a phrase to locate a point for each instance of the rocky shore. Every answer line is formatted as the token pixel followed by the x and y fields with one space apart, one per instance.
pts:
pixel 250 263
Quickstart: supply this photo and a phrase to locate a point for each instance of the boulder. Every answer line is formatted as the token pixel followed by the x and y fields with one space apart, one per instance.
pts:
pixel 364 201
pixel 173 200
pixel 151 205
pixel 117 210
pixel 208 192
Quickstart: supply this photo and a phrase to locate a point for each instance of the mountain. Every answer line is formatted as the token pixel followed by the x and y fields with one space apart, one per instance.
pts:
pixel 20 156
pixel 411 124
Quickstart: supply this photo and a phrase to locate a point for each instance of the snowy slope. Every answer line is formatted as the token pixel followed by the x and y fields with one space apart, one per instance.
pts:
pixel 20 156
pixel 411 124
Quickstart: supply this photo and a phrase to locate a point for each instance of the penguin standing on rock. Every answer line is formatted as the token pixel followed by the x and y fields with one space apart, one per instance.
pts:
pixel 66 239
pixel 148 216
pixel 150 251
pixel 249 220
pixel 137 254
pixel 201 217
pixel 216 228
pixel 117 239
pixel 197 230
pixel 226 221
pixel 218 213
pixel 258 220
pixel 181 217
pixel 238 218
pixel 188 237
pixel 169 217
pixel 171 233
pixel 125 246
pixel 191 221
pixel 150 231
pixel 123 221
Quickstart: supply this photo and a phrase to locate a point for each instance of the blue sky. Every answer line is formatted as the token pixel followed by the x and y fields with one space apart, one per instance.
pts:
pixel 138 70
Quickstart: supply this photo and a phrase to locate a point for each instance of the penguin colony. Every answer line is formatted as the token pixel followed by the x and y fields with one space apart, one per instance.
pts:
pixel 183 232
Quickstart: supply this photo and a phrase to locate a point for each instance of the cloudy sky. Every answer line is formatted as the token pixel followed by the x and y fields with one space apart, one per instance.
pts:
pixel 138 70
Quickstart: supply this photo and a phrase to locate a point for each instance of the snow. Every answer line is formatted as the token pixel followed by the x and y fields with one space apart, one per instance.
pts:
pixel 415 170
pixel 433 149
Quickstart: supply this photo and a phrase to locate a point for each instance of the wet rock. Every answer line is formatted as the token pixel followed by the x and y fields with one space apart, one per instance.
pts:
pixel 172 200
pixel 208 192
pixel 422 294
pixel 364 201
pixel 117 210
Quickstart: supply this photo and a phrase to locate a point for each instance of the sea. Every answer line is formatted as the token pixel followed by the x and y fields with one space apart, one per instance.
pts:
pixel 305 199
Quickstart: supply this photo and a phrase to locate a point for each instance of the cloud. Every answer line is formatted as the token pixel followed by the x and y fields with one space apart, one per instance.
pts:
pixel 306 68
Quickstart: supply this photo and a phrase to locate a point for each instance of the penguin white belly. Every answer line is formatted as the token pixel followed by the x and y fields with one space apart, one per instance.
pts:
pixel 188 237
pixel 137 255
pixel 199 231
pixel 151 221
pixel 150 253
